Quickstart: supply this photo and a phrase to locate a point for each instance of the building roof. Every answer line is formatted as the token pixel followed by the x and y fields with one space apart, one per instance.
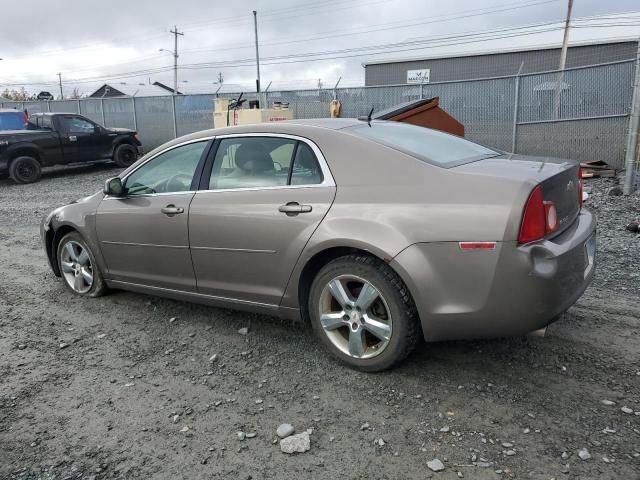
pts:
pixel 475 53
pixel 157 89
pixel 132 89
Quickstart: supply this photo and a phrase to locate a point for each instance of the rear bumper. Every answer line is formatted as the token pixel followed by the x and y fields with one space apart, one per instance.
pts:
pixel 509 291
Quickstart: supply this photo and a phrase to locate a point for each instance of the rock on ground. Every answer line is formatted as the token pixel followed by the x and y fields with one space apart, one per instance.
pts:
pixel 435 465
pixel 285 430
pixel 299 443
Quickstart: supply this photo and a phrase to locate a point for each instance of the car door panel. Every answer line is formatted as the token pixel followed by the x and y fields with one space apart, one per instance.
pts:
pixel 82 144
pixel 144 235
pixel 140 244
pixel 243 247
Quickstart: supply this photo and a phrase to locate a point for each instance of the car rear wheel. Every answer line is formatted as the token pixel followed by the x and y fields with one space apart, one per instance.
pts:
pixel 363 313
pixel 78 266
pixel 125 155
pixel 25 170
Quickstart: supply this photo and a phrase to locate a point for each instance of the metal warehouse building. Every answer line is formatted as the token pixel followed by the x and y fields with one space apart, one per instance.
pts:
pixel 495 64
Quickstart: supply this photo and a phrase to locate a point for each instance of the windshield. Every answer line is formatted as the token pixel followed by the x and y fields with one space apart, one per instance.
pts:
pixel 429 145
pixel 12 121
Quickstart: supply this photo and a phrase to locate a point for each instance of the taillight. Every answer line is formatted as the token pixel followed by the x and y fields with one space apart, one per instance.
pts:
pixel 580 199
pixel 540 218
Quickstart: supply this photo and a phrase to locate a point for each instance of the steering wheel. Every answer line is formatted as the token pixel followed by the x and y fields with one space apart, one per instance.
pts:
pixel 178 183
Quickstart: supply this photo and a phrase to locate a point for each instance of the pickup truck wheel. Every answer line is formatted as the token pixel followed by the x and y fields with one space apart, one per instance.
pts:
pixel 125 155
pixel 25 170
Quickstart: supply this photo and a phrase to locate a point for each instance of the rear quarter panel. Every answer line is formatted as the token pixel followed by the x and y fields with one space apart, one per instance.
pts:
pixel 387 200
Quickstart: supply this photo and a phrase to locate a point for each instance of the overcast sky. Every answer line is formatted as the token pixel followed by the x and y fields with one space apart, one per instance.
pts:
pixel 86 40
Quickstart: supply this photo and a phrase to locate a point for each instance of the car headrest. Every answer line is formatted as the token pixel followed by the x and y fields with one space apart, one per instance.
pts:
pixel 252 157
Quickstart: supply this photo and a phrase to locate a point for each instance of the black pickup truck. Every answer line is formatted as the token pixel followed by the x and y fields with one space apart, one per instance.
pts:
pixel 63 138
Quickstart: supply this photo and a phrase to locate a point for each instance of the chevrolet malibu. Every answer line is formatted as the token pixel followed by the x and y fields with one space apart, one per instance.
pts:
pixel 376 233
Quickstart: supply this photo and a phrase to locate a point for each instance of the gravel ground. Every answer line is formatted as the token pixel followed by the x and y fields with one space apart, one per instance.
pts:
pixel 111 388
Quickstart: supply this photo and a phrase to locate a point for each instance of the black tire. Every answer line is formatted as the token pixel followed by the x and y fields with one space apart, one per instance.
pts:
pixel 25 170
pixel 405 332
pixel 98 287
pixel 125 155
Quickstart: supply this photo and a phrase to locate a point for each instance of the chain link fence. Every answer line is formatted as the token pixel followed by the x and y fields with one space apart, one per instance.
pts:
pixel 580 113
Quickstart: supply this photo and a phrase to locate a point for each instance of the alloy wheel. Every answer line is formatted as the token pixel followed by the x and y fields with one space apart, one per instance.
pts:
pixel 76 266
pixel 355 316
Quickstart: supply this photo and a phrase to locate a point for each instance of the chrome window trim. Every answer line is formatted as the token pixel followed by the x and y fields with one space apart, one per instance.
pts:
pixel 172 147
pixel 328 180
pixel 327 177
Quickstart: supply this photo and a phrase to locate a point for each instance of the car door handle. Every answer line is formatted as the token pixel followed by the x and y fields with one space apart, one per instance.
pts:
pixel 294 208
pixel 172 210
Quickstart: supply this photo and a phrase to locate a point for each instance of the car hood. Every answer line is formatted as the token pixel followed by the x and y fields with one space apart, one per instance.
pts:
pixel 121 130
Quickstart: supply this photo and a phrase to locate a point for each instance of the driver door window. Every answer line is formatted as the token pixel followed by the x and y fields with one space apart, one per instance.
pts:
pixel 78 125
pixel 169 172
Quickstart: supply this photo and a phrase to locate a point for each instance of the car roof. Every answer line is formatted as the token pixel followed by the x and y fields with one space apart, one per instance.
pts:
pixel 293 127
pixel 7 110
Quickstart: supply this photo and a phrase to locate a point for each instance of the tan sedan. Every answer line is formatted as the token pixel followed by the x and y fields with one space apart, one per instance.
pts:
pixel 378 234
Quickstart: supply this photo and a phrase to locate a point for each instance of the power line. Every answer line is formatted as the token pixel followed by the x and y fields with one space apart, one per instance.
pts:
pixel 389 26
pixel 418 44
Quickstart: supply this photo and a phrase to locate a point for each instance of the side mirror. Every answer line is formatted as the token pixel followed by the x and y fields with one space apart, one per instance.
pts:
pixel 114 187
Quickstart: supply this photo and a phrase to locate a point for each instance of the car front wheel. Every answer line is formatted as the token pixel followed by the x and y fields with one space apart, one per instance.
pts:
pixel 363 313
pixel 78 266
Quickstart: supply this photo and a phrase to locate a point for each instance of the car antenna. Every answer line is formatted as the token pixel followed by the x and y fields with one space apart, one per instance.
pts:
pixel 368 117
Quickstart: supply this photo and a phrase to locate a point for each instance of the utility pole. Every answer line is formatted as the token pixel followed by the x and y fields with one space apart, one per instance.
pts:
pixel 565 39
pixel 563 56
pixel 255 28
pixel 175 58
pixel 630 162
pixel 60 82
pixel 220 78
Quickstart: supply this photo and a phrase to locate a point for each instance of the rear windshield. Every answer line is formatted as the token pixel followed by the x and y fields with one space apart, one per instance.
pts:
pixel 12 121
pixel 429 145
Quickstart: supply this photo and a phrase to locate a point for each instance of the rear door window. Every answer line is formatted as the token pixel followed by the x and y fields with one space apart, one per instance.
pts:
pixel 252 162
pixel 260 162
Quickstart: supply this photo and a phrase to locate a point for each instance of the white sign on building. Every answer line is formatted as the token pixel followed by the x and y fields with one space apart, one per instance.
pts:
pixel 418 76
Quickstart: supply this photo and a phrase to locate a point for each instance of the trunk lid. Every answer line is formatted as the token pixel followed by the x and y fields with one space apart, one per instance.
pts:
pixel 558 178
